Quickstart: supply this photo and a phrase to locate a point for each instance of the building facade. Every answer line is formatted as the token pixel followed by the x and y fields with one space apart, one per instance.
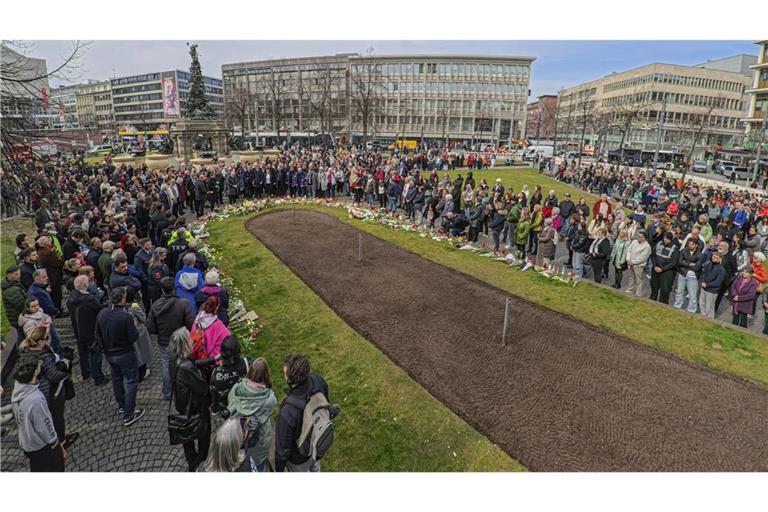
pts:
pixel 94 106
pixel 154 101
pixel 63 108
pixel 758 102
pixel 24 103
pixel 541 118
pixel 696 109
pixel 458 98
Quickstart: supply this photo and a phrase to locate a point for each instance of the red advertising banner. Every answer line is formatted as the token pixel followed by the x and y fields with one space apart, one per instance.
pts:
pixel 45 97
pixel 170 97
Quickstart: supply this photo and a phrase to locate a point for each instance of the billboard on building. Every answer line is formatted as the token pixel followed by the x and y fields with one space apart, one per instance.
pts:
pixel 170 96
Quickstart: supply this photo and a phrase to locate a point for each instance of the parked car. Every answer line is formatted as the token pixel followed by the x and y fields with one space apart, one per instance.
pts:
pixel 721 165
pixel 699 166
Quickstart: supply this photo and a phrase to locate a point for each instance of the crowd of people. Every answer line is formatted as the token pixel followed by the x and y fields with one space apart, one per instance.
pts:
pixel 113 251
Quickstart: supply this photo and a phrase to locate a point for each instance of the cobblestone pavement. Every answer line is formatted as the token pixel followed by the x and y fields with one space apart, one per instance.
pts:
pixel 104 443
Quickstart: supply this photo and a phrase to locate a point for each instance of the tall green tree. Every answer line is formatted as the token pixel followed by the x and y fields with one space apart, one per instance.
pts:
pixel 197 106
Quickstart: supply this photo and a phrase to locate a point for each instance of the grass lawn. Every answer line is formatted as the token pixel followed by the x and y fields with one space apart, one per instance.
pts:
pixel 729 350
pixel 8 231
pixel 388 422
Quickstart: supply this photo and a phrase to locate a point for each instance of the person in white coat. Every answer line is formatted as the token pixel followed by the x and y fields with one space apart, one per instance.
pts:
pixel 637 256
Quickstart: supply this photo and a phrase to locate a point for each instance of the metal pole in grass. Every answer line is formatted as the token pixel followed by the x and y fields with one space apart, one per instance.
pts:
pixel 360 247
pixel 506 323
pixel 294 213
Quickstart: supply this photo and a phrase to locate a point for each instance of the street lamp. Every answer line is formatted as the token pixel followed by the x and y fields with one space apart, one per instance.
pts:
pixel 760 140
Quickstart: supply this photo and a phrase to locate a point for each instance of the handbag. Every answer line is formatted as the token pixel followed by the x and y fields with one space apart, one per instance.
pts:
pixel 183 428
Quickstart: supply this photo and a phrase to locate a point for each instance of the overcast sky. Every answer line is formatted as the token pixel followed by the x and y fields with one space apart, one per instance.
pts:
pixel 558 63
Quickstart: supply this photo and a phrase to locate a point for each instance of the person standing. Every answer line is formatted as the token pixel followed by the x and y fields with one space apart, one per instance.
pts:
pixel 14 298
pixel 253 400
pixel 600 250
pixel 168 313
pixel 40 291
pixel 190 395
pixel 580 246
pixel 742 294
pixel 712 277
pixel 28 266
pixel 48 259
pixel 637 256
pixel 84 308
pixel 37 435
pixel 688 269
pixel 189 281
pixel 116 334
pixel 301 385
pixel 665 259
pixel 619 257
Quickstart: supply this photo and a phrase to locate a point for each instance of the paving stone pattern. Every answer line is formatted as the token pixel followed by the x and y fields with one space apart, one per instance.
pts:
pixel 104 443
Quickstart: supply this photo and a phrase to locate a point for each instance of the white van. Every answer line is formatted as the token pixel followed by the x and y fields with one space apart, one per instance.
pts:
pixel 542 151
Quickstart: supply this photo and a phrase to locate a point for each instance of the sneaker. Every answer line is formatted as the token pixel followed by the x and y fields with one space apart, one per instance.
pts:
pixel 137 415
pixel 146 375
pixel 121 411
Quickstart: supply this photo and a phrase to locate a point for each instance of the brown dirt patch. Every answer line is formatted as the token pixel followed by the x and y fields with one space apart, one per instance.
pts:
pixel 563 396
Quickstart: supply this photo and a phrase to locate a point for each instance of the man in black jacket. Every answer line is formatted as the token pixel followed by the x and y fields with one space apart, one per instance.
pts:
pixel 167 314
pixel 116 333
pixel 665 258
pixel 83 311
pixel 28 266
pixel 301 385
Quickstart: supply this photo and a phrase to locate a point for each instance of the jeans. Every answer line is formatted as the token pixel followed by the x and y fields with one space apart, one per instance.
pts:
pixel 707 303
pixel 691 285
pixel 125 380
pixel 578 264
pixel 195 455
pixel 46 460
pixel 90 362
pixel 165 371
pixel 392 204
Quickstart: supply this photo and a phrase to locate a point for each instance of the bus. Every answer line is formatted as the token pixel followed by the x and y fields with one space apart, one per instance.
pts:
pixel 403 144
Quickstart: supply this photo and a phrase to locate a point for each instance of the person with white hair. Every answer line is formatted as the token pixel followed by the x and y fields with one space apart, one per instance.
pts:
pixel 213 288
pixel 226 454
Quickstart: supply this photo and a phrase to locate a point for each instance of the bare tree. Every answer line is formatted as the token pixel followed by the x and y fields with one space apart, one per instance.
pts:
pixel 701 121
pixel 275 90
pixel 365 90
pixel 323 95
pixel 625 114
pixel 238 105
pixel 601 125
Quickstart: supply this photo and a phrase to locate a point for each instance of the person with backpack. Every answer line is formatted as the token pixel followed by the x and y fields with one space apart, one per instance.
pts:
pixel 252 400
pixel 233 367
pixel 303 387
pixel 208 331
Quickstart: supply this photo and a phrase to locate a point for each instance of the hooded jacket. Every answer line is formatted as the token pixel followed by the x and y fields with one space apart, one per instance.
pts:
pixel 167 314
pixel 215 332
pixel 289 422
pixel 14 299
pixel 215 291
pixel 28 321
pixel 33 417
pixel 256 404
pixel 189 281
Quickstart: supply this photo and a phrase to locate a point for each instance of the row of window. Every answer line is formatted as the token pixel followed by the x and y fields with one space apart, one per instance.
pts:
pixel 155 86
pixel 497 89
pixel 135 79
pixel 445 69
pixel 141 107
pixel 668 78
pixel 139 98
pixel 694 100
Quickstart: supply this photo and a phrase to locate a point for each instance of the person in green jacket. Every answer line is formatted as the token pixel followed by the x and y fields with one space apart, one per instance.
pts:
pixel 253 400
pixel 537 221
pixel 619 257
pixel 523 231
pixel 14 298
pixel 105 261
pixel 476 214
pixel 513 217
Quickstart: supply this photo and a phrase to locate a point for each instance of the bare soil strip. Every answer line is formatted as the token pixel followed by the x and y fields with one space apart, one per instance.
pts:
pixel 562 396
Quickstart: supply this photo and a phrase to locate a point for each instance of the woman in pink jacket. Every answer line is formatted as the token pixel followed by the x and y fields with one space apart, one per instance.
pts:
pixel 214 330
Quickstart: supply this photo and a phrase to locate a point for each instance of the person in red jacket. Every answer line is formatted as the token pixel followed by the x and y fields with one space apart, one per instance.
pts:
pixel 602 206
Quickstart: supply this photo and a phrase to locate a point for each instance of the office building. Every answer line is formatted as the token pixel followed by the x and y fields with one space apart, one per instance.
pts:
pixel 23 104
pixel 94 106
pixel 758 101
pixel 455 98
pixel 696 108
pixel 152 102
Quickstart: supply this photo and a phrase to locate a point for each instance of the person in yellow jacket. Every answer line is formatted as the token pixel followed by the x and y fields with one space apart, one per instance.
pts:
pixel 537 220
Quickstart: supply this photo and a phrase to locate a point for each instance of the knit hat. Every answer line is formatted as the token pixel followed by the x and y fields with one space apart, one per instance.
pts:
pixel 212 278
